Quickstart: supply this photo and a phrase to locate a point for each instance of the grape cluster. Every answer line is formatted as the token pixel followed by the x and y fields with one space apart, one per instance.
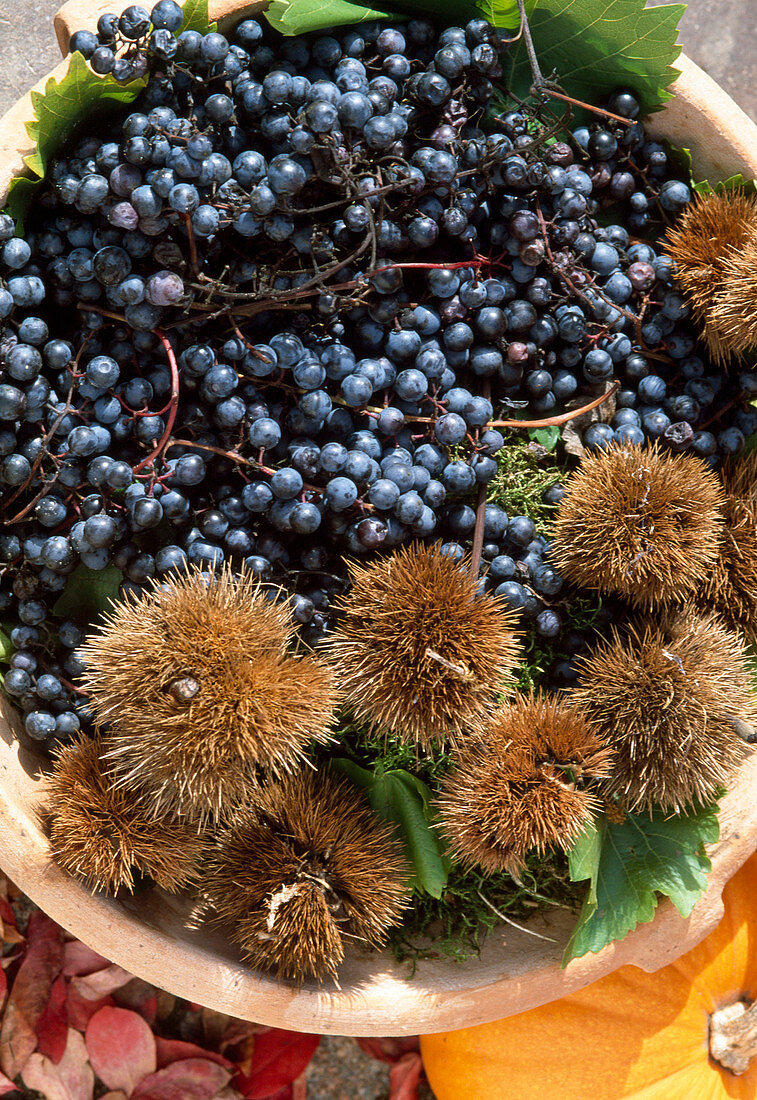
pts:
pixel 288 307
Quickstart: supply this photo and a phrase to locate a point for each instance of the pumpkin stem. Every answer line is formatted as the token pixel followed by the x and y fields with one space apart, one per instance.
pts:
pixel 733 1036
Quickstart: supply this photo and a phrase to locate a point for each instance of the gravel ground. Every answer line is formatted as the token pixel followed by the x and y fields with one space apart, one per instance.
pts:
pixel 341 1071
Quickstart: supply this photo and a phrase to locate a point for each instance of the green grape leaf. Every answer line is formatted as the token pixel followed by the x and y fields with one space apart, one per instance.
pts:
pixel 704 188
pixel 89 593
pixel 291 17
pixel 548 437
pixel 62 106
pixel 197 17
pixel 6 648
pixel 593 46
pixel 404 801
pixel 629 865
pixel 504 13
pixel 58 111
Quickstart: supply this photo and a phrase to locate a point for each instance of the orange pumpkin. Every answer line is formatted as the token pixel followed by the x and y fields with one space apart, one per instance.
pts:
pixel 630 1035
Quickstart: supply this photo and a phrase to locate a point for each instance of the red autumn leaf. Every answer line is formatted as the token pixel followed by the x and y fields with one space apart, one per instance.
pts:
pixel 102 982
pixel 71 1079
pixel 298 1090
pixel 6 1086
pixel 121 1048
pixel 389 1050
pixel 140 997
pixel 176 1050
pixel 79 959
pixel 52 1026
pixel 404 1077
pixel 80 1010
pixel 40 967
pixel 235 1032
pixel 191 1079
pixel 3 987
pixel 8 927
pixel 279 1057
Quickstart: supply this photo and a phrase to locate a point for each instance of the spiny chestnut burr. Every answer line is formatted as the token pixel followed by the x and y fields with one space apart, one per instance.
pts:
pixel 732 586
pixel 419 652
pixel 731 317
pixel 98 832
pixel 200 693
pixel 670 696
pixel 302 867
pixel 711 233
pixel 523 784
pixel 639 522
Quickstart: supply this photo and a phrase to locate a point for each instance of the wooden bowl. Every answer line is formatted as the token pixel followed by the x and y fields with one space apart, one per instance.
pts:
pixel 148 934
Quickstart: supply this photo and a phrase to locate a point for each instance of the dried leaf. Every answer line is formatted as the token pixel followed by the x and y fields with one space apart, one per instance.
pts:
pixel 191 1079
pixel 279 1057
pixel 79 959
pixel 141 997
pixel 52 1026
pixel 176 1050
pixel 101 982
pixel 121 1048
pixel 404 1077
pixel 31 992
pixel 117 1095
pixel 81 1010
pixel 8 928
pixel 389 1050
pixel 71 1079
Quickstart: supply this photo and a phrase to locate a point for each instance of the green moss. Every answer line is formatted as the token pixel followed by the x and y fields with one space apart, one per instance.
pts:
pixel 455 924
pixel 369 749
pixel 524 472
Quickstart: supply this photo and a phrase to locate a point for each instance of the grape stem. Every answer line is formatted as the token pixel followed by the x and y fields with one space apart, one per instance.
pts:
pixel 556 421
pixel 173 404
pixel 547 89
pixel 478 529
pixel 525 30
pixel 478 533
pixel 194 258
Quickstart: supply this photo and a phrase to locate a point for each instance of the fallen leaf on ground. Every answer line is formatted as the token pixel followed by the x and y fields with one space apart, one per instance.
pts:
pixel 81 1010
pixel 101 982
pixel 79 959
pixel 176 1050
pixel 192 1079
pixel 389 1050
pixel 52 1026
pixel 8 927
pixel 6 1086
pixel 279 1057
pixel 404 1077
pixel 39 968
pixel 117 1095
pixel 121 1048
pixel 298 1090
pixel 71 1079
pixel 139 996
